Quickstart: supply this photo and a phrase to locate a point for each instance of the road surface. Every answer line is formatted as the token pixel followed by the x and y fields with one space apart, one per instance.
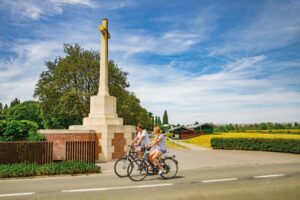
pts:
pixel 267 181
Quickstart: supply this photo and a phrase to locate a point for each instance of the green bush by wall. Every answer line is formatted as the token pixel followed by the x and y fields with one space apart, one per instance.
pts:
pixel 65 167
pixel 19 130
pixel 257 144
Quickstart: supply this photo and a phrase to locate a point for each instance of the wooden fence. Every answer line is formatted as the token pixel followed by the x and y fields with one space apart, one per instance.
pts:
pixel 81 151
pixel 25 151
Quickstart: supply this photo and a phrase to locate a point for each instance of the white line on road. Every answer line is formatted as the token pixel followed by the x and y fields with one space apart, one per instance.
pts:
pixel 118 188
pixel 269 176
pixel 16 194
pixel 220 180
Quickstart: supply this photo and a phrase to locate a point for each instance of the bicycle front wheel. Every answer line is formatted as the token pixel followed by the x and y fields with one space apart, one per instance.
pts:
pixel 121 166
pixel 170 168
pixel 137 170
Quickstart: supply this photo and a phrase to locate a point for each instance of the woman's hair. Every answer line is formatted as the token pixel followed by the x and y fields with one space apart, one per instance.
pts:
pixel 139 125
pixel 157 129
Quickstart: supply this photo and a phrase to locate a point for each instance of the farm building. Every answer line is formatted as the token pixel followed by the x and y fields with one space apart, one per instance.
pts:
pixel 205 128
pixel 183 132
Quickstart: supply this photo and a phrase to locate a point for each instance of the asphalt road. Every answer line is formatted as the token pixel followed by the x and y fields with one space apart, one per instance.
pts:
pixel 267 181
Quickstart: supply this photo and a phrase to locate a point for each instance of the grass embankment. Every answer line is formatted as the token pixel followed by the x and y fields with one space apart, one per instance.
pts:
pixel 173 145
pixel 205 140
pixel 65 167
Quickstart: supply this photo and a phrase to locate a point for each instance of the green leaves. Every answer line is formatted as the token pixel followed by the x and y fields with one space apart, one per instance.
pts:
pixel 18 130
pixel 65 167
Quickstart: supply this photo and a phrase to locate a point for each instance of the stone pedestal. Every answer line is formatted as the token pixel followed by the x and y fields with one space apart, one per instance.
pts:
pixel 103 119
pixel 114 139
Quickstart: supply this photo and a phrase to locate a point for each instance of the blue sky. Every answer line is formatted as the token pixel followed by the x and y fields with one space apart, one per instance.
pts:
pixel 206 61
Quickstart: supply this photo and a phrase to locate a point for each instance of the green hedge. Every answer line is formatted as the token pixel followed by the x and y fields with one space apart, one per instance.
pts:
pixel 65 167
pixel 257 144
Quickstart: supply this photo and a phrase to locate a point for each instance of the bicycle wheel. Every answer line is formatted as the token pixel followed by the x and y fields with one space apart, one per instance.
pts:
pixel 121 166
pixel 137 170
pixel 170 168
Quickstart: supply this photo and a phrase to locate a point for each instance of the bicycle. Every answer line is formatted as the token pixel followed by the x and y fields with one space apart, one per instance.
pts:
pixel 139 169
pixel 122 164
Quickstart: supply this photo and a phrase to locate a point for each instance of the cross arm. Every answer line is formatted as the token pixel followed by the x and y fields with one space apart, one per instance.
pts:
pixel 104 31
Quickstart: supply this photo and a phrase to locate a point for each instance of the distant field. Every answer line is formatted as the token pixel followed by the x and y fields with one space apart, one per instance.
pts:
pixel 204 140
pixel 290 131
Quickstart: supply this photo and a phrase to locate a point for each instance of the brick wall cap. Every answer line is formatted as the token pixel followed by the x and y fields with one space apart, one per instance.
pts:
pixel 64 131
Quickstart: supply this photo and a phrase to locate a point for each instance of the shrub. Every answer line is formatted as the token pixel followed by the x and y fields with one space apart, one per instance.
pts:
pixel 17 130
pixel 260 144
pixel 65 167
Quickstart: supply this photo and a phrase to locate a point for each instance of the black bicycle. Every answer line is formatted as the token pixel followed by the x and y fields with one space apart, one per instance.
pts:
pixel 139 169
pixel 122 164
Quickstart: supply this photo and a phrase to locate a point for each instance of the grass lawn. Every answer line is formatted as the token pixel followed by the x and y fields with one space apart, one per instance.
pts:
pixel 204 140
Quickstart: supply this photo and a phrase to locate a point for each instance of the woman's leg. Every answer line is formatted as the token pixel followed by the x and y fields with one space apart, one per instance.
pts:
pixel 150 156
pixel 155 157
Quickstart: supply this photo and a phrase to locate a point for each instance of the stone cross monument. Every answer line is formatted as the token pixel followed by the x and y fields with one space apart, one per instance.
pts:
pixel 103 119
pixel 103 86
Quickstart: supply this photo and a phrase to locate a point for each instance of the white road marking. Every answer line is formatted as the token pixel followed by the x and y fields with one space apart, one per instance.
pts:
pixel 118 188
pixel 269 176
pixel 16 194
pixel 219 180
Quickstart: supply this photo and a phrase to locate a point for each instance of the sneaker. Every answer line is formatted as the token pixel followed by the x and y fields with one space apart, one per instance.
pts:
pixel 160 171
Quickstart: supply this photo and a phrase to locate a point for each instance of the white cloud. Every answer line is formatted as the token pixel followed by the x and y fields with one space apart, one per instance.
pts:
pixel 227 96
pixel 35 9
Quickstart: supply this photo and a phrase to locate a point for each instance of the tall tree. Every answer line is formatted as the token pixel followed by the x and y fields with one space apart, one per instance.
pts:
pixel 14 102
pixel 165 118
pixel 64 89
pixel 159 121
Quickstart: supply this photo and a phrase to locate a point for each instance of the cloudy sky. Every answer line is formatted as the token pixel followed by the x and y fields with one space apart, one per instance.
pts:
pixel 206 61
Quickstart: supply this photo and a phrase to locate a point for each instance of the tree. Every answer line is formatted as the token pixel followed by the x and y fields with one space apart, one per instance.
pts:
pixel 64 89
pixel 27 110
pixel 165 118
pixel 159 121
pixel 14 102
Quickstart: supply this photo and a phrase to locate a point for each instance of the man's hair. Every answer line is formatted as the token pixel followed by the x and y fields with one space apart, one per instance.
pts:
pixel 139 125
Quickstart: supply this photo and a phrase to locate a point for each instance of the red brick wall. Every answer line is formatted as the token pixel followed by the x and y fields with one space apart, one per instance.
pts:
pixel 118 142
pixel 59 142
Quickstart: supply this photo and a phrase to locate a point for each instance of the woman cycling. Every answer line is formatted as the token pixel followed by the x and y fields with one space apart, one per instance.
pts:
pixel 160 149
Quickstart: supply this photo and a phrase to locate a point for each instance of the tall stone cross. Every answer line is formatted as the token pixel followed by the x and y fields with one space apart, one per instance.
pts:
pixel 103 86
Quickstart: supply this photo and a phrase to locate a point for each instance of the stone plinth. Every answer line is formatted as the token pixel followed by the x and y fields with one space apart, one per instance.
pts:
pixel 111 138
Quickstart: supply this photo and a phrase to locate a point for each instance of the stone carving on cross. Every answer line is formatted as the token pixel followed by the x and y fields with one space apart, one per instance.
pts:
pixel 104 29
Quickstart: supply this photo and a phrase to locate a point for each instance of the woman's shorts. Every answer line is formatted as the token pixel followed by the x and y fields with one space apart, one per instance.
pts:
pixel 162 151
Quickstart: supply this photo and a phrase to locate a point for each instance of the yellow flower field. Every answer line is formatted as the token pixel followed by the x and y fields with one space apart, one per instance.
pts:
pixel 204 140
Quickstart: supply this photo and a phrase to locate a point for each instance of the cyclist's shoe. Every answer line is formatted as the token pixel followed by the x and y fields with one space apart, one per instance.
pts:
pixel 161 171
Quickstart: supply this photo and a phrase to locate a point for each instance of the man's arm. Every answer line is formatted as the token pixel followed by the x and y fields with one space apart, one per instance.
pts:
pixel 133 141
pixel 140 140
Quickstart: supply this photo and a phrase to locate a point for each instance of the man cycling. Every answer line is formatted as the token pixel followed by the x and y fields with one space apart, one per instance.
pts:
pixel 141 140
pixel 160 149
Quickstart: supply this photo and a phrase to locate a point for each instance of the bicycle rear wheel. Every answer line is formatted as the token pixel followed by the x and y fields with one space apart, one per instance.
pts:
pixel 170 168
pixel 137 170
pixel 121 166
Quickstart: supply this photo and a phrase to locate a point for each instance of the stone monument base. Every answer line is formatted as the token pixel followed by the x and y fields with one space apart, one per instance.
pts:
pixel 113 141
